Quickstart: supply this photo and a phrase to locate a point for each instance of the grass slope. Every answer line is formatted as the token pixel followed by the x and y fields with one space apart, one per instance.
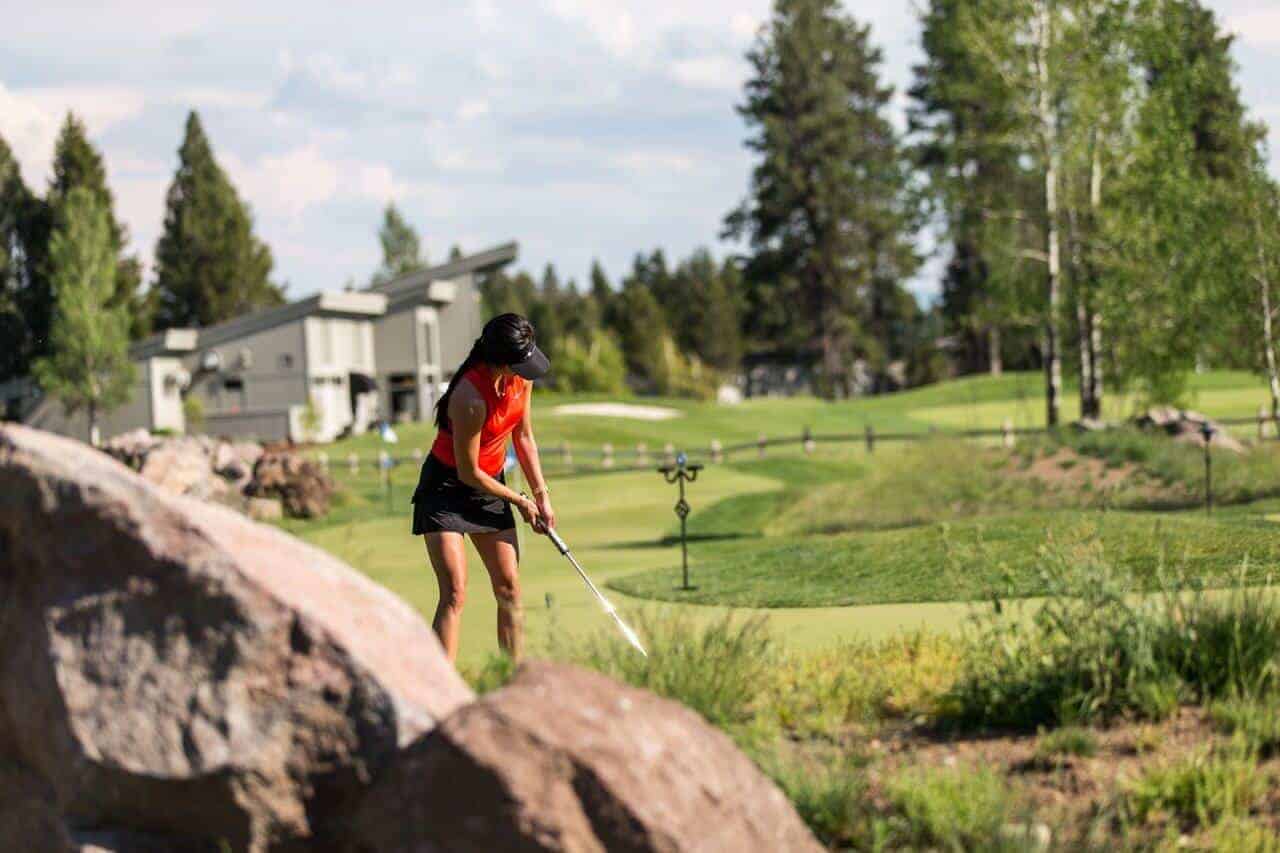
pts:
pixel 960 561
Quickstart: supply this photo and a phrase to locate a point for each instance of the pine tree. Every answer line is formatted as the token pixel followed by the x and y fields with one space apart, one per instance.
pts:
pixel 76 163
pixel 17 205
pixel 209 265
pixel 401 248
pixel 963 120
pixel 828 185
pixel 89 366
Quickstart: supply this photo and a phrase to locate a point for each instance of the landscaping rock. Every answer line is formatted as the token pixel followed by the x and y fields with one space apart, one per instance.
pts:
pixel 1187 427
pixel 182 467
pixel 132 448
pixel 566 759
pixel 301 485
pixel 168 667
pixel 264 509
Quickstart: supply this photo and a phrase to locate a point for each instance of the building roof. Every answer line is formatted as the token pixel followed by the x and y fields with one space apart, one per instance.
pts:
pixel 168 341
pixel 486 261
pixel 349 303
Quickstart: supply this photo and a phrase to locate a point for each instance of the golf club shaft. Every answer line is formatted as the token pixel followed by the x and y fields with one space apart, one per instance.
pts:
pixel 604 602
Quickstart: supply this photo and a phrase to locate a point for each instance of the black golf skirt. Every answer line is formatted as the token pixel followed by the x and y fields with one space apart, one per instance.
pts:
pixel 443 502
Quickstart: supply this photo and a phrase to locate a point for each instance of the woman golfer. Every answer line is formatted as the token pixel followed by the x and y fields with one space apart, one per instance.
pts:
pixel 462 490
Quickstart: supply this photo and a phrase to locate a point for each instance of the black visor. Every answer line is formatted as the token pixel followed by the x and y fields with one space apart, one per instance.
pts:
pixel 534 365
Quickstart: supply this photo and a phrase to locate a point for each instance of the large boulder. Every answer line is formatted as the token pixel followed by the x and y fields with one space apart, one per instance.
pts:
pixel 566 759
pixel 183 467
pixel 1187 427
pixel 302 486
pixel 169 668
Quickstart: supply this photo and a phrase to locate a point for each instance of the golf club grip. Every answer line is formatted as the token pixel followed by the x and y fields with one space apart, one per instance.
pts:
pixel 557 541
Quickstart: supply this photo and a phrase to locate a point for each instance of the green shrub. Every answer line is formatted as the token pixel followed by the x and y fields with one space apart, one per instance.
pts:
pixel 1199 791
pixel 1254 721
pixel 717 669
pixel 592 365
pixel 496 670
pixel 952 809
pixel 1097 649
pixel 1067 741
pixel 831 798
pixel 193 413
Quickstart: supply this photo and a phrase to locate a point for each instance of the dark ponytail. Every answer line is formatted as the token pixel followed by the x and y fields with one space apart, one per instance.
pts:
pixel 442 405
pixel 505 340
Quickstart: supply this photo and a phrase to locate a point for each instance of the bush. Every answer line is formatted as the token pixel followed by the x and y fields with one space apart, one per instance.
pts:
pixel 193 414
pixel 716 669
pixel 595 365
pixel 954 809
pixel 1097 649
pixel 1256 722
pixel 831 798
pixel 1199 791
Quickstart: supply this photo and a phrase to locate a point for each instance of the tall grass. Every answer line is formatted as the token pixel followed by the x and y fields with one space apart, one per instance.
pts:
pixel 717 668
pixel 1098 649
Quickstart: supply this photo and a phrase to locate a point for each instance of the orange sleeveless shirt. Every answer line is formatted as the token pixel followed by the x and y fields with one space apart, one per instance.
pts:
pixel 502 416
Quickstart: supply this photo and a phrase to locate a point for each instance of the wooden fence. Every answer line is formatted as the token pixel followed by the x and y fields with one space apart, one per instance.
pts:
pixel 567 460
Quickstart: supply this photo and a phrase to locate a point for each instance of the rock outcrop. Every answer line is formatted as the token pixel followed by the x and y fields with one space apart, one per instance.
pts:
pixel 302 486
pixel 566 759
pixel 169 668
pixel 1187 427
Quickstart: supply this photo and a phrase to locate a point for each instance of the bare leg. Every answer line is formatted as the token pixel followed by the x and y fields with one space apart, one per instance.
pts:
pixel 501 555
pixel 449 560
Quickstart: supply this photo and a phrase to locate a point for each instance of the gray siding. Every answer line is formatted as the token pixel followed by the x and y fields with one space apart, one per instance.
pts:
pixel 274 379
pixel 460 324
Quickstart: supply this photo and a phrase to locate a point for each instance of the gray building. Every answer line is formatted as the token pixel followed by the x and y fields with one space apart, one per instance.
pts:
pixel 312 370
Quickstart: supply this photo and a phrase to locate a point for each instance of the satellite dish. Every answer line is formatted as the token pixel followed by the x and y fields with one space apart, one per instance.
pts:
pixel 211 361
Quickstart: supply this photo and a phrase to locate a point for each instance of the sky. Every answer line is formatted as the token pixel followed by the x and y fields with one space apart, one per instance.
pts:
pixel 583 129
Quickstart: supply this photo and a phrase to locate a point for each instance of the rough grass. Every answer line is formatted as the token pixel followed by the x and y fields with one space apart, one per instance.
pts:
pixel 1096 651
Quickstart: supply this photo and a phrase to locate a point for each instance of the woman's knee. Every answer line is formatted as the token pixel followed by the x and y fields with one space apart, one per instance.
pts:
pixel 507 591
pixel 453 596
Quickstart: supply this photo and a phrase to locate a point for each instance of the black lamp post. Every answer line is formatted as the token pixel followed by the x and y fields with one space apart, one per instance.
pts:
pixel 683 470
pixel 1206 432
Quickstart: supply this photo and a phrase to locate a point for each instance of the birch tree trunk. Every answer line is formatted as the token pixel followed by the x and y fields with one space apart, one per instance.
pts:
pixel 1049 129
pixel 1094 317
pixel 1268 335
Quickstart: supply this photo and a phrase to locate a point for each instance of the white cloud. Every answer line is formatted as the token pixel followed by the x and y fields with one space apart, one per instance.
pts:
pixel 30 119
pixel 609 22
pixel 286 183
pixel 219 98
pixel 473 108
pixel 743 25
pixel 663 162
pixel 710 72
pixel 1257 26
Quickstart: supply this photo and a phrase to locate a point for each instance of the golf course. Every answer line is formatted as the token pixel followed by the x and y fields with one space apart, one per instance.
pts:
pixel 836 544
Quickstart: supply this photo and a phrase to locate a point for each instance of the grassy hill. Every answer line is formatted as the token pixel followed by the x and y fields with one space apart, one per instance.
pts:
pixel 969 403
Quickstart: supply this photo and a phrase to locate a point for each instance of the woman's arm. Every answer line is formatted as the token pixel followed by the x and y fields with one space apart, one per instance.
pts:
pixel 466 419
pixel 527 453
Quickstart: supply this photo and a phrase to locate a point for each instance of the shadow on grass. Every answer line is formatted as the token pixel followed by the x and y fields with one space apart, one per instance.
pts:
pixel 673 540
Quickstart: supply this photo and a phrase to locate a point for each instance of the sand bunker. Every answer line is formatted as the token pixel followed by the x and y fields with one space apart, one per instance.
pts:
pixel 618 410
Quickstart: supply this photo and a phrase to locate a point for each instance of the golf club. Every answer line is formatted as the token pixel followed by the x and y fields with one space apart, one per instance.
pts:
pixel 604 602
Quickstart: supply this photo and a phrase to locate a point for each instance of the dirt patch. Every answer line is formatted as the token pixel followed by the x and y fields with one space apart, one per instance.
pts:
pixel 1070 792
pixel 1064 471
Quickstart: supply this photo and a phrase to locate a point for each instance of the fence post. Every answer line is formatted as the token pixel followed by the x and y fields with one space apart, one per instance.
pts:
pixel 717 450
pixel 417 456
pixel 566 456
pixel 761 443
pixel 807 440
pixel 606 457
pixel 384 465
pixel 871 439
pixel 353 462
pixel 668 454
pixel 1262 423
pixel 1006 430
pixel 642 454
pixel 324 462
